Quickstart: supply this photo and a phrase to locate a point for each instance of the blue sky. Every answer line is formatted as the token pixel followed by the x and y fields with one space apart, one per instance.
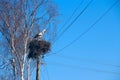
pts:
pixel 95 56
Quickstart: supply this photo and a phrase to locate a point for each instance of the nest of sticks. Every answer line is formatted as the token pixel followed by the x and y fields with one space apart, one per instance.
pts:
pixel 37 48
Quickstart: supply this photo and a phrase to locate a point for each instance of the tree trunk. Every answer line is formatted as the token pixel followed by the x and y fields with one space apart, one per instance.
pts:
pixel 14 71
pixel 22 68
pixel 28 73
pixel 22 72
pixel 38 69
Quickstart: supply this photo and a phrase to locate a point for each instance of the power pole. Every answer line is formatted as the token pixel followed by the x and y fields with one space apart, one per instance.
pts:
pixel 38 68
pixel 38 47
pixel 39 38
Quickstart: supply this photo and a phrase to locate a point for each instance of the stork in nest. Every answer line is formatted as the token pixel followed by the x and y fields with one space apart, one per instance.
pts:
pixel 40 35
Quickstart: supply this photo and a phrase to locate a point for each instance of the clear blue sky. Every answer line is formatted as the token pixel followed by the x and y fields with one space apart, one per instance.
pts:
pixel 96 55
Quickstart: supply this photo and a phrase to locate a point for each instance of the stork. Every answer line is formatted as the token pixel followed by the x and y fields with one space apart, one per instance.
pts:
pixel 39 35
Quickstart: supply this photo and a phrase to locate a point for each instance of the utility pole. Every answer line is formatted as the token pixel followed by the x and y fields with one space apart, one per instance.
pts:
pixel 37 49
pixel 38 68
pixel 39 38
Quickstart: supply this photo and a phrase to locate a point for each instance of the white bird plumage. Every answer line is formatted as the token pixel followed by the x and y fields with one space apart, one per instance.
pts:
pixel 39 35
pixel 42 32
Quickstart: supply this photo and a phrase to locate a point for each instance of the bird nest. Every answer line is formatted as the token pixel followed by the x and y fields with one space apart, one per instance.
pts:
pixel 37 48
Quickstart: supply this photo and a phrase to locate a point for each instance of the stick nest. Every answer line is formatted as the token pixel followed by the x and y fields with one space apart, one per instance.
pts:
pixel 37 48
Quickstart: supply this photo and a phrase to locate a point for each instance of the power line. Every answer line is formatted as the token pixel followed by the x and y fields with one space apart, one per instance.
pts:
pixel 42 76
pixel 85 8
pixel 89 61
pixel 84 68
pixel 47 73
pixel 71 16
pixel 87 30
pixel 46 70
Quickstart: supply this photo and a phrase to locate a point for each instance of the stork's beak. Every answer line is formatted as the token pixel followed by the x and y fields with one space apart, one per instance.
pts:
pixel 44 30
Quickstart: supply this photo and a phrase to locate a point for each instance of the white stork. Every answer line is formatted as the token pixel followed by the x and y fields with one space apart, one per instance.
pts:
pixel 39 35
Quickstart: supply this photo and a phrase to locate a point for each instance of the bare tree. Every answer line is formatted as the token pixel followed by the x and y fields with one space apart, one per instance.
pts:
pixel 20 20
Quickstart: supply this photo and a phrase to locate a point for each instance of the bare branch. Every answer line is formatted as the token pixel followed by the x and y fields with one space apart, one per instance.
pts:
pixel 19 21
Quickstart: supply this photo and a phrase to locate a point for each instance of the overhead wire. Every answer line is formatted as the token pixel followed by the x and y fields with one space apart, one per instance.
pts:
pixel 42 76
pixel 90 29
pixel 83 68
pixel 87 30
pixel 46 69
pixel 76 18
pixel 90 69
pixel 85 33
pixel 85 60
pixel 89 61
pixel 71 16
pixel 47 73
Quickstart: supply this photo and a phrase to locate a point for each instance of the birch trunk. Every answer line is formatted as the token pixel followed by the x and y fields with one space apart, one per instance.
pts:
pixel 28 69
pixel 14 71
pixel 22 72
